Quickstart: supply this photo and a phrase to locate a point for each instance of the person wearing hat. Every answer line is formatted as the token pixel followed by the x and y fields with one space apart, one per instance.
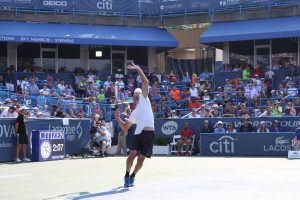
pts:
pixel 276 127
pixel 21 134
pixel 173 115
pixel 9 112
pixel 215 112
pixel 296 140
pixel 263 128
pixel 219 127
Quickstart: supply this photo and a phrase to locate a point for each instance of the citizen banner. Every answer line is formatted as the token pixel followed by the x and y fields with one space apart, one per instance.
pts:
pixel 77 134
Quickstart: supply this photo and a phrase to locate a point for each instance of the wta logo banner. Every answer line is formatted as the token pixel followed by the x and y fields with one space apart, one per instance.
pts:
pixel 169 128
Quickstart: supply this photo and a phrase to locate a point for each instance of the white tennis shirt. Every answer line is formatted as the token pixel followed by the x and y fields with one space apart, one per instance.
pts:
pixel 142 115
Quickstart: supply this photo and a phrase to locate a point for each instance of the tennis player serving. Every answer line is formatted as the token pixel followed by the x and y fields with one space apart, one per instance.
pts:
pixel 142 116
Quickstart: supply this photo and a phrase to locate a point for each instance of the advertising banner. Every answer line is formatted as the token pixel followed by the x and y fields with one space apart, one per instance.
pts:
pixel 109 6
pixel 66 5
pixel 77 134
pixel 18 3
pixel 245 144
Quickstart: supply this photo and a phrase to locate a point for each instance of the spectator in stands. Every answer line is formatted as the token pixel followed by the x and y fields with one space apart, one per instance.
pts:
pixel 172 78
pixel 175 93
pixel 186 138
pixel 215 112
pixel 202 111
pixel 240 96
pixel 82 87
pixel 186 78
pixel 256 111
pixel 230 128
pixel 9 112
pixel 194 92
pixel 174 115
pixel 68 90
pixel 193 103
pixel 110 90
pixel 287 112
pixel 165 89
pixel 229 110
pixel 120 81
pixel 268 112
pixel 269 74
pixel 258 71
pixel 291 106
pixel 101 95
pixel 45 90
pixel 24 83
pixel 32 88
pixel 90 89
pixel 56 89
pixel 153 78
pixel 130 83
pixel 243 110
pixel 61 85
pixel 296 140
pixel 207 113
pixel 257 83
pixel 21 134
pixel 53 93
pixel 194 114
pixel 123 94
pixel 205 96
pixel 206 75
pixel 164 108
pixel 251 92
pixel 154 91
pixel 277 109
pixel 263 128
pixel 53 110
pixel 103 138
pixel 246 127
pixel 72 107
pixel 219 127
pixel 276 127
pixel 139 81
pixel 246 73
pixel 228 86
pixel 207 128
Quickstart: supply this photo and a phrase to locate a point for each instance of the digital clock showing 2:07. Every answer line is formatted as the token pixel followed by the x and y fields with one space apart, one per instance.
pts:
pixel 58 149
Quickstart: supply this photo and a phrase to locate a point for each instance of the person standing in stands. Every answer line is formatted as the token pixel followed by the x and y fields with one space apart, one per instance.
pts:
pixel 143 139
pixel 21 135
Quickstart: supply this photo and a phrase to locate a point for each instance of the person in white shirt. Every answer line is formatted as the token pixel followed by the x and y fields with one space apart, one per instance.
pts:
pixel 61 85
pixel 143 138
pixel 194 91
pixel 194 114
pixel 107 83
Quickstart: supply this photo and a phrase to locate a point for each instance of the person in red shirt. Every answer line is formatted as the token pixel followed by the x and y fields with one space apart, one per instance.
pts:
pixel 258 71
pixel 186 138
pixel 193 103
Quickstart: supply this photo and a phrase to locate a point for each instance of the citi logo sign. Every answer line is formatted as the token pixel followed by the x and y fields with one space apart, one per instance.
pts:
pixel 169 128
pixel 105 5
pixel 225 144
pixel 55 3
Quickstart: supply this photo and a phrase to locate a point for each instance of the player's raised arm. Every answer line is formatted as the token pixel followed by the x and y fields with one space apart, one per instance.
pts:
pixel 145 81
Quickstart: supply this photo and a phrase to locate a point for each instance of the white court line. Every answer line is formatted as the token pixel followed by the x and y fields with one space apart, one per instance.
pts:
pixel 13 175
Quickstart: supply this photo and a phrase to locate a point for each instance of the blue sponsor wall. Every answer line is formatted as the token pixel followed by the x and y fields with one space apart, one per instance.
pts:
pixel 77 134
pixel 170 127
pixel 245 144
pixel 137 7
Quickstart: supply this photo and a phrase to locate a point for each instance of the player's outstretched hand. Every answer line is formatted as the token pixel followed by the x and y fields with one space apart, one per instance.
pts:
pixel 133 66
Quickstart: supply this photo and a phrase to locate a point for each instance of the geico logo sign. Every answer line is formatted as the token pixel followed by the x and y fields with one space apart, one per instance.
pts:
pixel 105 5
pixel 225 144
pixel 281 144
pixel 55 3
pixel 169 128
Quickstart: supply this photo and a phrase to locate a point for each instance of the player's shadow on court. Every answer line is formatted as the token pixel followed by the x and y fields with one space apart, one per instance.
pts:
pixel 102 194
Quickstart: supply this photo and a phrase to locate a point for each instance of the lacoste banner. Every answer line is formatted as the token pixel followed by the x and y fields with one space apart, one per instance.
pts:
pixel 246 144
